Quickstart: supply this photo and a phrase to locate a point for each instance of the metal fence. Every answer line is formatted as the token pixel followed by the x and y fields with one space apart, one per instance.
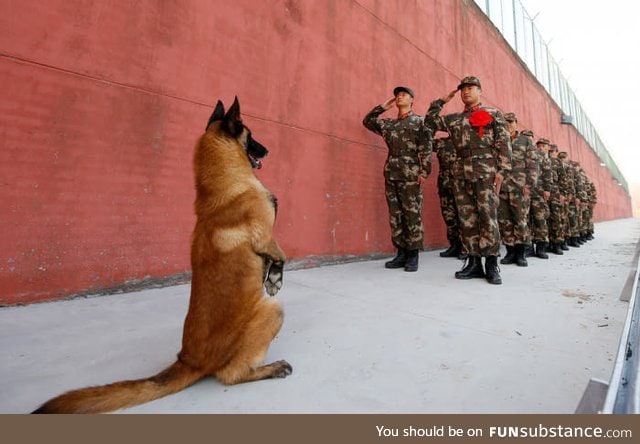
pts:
pixel 519 30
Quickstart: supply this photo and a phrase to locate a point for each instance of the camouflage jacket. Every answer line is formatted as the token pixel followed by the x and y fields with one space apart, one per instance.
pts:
pixel 481 150
pixel 570 181
pixel 581 184
pixel 546 181
pixel 446 154
pixel 560 175
pixel 524 165
pixel 593 194
pixel 409 145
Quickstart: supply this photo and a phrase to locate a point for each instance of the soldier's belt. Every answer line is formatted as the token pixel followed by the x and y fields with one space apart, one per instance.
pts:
pixel 468 152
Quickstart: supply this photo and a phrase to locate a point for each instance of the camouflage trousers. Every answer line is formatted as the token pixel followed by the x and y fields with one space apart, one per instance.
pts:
pixel 477 204
pixel 449 211
pixel 556 220
pixel 513 215
pixel 405 213
pixel 574 219
pixel 538 216
pixel 566 221
pixel 586 220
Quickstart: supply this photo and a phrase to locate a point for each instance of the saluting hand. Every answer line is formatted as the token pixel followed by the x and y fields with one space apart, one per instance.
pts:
pixel 388 103
pixel 449 96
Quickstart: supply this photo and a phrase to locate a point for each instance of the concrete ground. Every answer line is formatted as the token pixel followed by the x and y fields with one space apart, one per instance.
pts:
pixel 361 339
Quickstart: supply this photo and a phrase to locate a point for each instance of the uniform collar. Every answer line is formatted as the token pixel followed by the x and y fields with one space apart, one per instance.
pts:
pixel 470 109
pixel 405 115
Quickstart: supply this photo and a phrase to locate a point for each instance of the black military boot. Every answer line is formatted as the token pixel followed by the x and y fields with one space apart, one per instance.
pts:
pixel 510 257
pixel 573 242
pixel 519 259
pixel 590 236
pixel 492 270
pixel 398 261
pixel 541 250
pixel 412 261
pixel 582 239
pixel 555 249
pixel 528 251
pixel 473 269
pixel 454 249
pixel 564 246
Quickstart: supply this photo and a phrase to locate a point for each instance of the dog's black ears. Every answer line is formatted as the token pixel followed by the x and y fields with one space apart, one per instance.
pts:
pixel 232 122
pixel 218 114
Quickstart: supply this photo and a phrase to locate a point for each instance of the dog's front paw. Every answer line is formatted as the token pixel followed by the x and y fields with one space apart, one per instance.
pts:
pixel 273 282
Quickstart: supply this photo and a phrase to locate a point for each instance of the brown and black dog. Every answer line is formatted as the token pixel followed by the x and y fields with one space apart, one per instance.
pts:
pixel 230 323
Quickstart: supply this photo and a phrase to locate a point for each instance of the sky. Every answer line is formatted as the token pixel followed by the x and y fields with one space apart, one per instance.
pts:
pixel 597 45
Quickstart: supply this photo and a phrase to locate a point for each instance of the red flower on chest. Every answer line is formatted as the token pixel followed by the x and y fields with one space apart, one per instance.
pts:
pixel 480 119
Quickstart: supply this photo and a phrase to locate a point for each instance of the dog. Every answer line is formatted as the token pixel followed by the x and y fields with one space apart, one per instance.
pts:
pixel 229 323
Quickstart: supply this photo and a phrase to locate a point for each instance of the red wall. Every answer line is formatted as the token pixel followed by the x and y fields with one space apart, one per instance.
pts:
pixel 101 103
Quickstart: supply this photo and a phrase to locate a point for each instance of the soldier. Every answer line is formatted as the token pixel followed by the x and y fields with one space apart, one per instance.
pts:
pixel 556 203
pixel 408 161
pixel 570 191
pixel 513 211
pixel 593 200
pixel 446 154
pixel 540 196
pixel 581 197
pixel 483 155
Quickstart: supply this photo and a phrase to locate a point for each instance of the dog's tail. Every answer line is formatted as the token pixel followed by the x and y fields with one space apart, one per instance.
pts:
pixel 124 394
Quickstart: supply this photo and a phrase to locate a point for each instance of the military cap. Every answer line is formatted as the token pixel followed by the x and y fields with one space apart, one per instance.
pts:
pixel 469 80
pixel 399 89
pixel 510 117
pixel 562 154
pixel 543 141
pixel 527 132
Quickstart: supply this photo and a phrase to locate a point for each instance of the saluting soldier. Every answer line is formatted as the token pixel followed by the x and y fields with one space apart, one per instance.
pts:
pixel 483 156
pixel 513 212
pixel 446 154
pixel 408 160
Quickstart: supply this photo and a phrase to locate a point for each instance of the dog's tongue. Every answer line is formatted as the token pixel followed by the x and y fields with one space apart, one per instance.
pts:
pixel 255 163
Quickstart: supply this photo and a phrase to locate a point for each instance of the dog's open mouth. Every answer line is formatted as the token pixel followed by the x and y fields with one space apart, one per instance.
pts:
pixel 255 162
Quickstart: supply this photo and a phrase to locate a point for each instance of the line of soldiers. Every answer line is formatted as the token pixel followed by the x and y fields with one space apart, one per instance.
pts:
pixel 495 186
pixel 546 202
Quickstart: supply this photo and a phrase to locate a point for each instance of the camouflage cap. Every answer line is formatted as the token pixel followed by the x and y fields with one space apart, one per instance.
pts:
pixel 562 154
pixel 470 80
pixel 399 89
pixel 543 141
pixel 510 117
pixel 527 133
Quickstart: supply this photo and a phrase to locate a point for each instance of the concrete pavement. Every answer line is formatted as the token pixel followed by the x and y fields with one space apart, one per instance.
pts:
pixel 361 339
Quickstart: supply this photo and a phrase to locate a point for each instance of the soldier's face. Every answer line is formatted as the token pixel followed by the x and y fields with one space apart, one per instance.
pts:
pixel 403 99
pixel 543 147
pixel 470 95
pixel 513 126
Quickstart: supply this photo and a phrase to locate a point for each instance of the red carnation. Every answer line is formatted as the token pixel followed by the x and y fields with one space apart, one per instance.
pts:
pixel 480 119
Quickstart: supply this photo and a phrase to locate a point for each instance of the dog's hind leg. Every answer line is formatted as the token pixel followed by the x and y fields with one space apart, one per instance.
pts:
pixel 252 347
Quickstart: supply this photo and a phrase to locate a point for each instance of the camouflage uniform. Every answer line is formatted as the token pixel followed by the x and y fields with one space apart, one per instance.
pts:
pixel 539 207
pixel 581 193
pixel 567 186
pixel 409 157
pixel 446 154
pixel 513 211
pixel 481 152
pixel 556 206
